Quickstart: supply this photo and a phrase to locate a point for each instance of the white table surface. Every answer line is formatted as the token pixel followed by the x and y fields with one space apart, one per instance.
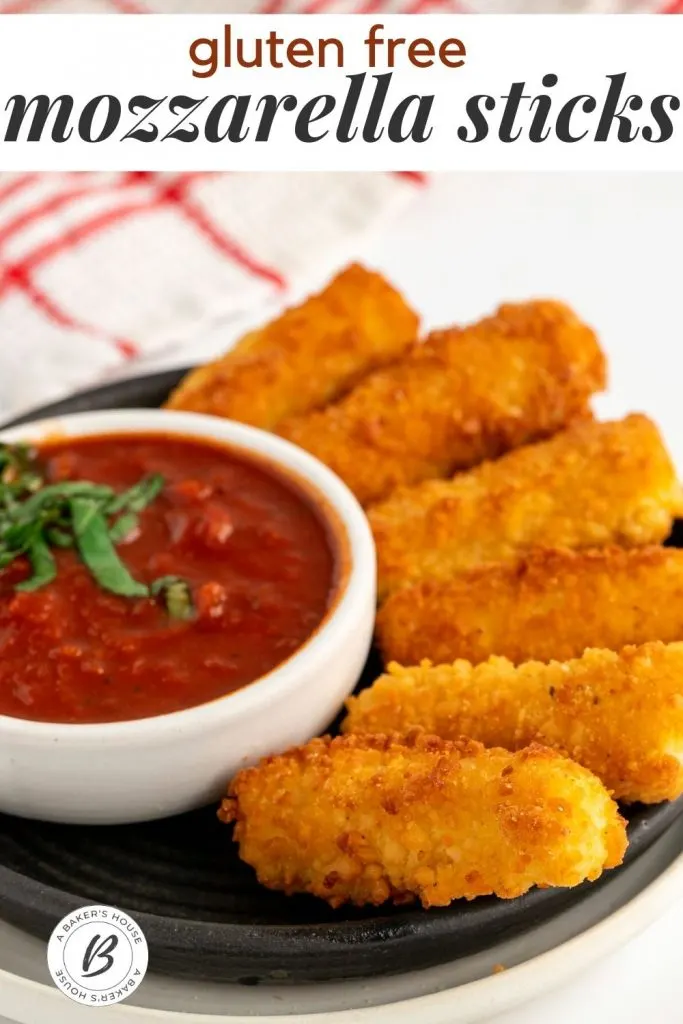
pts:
pixel 610 246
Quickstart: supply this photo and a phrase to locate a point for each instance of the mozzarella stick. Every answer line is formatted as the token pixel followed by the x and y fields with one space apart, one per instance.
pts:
pixel 463 396
pixel 591 485
pixel 551 605
pixel 619 715
pixel 306 357
pixel 365 819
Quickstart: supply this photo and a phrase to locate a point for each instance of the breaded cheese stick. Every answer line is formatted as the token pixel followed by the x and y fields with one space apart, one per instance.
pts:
pixel 463 396
pixel 364 819
pixel 307 356
pixel 619 715
pixel 548 606
pixel 591 485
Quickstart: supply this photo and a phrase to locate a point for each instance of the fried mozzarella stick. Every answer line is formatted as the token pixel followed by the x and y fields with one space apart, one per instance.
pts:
pixel 364 819
pixel 619 715
pixel 306 357
pixel 551 605
pixel 590 485
pixel 463 396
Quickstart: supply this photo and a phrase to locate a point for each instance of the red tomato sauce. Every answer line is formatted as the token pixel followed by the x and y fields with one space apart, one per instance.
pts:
pixel 258 559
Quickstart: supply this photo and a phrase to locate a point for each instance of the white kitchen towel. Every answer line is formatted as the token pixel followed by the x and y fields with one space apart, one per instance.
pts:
pixel 98 271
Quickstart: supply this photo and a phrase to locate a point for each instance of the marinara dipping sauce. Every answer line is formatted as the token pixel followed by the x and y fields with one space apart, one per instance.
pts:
pixel 257 557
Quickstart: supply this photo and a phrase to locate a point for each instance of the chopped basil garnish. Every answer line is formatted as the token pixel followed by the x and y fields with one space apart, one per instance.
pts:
pixel 137 497
pixel 97 551
pixel 176 595
pixel 18 467
pixel 123 527
pixel 59 537
pixel 42 562
pixel 36 517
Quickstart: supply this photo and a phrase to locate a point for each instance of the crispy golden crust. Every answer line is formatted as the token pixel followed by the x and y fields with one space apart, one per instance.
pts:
pixel 306 357
pixel 590 485
pixel 549 605
pixel 620 715
pixel 463 396
pixel 364 819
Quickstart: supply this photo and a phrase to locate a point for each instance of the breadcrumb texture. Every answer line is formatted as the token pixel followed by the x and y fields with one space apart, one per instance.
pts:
pixel 308 356
pixel 550 605
pixel 365 819
pixel 463 396
pixel 591 485
pixel 620 715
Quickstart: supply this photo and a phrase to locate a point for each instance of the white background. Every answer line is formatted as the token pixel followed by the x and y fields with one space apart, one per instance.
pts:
pixel 87 55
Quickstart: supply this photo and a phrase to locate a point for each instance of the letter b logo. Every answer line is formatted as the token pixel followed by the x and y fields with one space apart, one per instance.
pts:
pixel 99 950
pixel 97 955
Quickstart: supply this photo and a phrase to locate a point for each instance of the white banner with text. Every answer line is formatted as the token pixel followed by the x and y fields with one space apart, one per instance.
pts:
pixel 344 92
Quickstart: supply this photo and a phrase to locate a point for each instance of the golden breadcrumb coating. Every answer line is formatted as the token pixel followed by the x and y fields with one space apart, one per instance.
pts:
pixel 551 605
pixel 463 396
pixel 307 356
pixel 620 715
pixel 590 485
pixel 364 819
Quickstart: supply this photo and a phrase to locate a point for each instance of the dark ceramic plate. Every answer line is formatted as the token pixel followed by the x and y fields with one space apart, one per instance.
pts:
pixel 203 912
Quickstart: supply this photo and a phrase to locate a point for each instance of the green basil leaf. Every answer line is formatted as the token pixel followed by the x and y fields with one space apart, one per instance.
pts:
pixel 123 526
pixel 42 562
pixel 176 596
pixel 95 547
pixel 54 494
pixel 58 537
pixel 137 497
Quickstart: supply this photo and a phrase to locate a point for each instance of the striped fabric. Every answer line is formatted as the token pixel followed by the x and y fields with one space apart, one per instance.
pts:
pixel 338 6
pixel 229 6
pixel 101 269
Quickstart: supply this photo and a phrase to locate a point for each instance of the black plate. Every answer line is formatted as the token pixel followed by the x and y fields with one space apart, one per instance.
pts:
pixel 203 912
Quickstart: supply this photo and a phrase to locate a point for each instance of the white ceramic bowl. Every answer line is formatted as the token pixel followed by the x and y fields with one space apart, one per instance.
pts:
pixel 150 768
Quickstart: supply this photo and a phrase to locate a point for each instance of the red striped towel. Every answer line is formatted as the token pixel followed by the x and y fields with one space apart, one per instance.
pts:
pixel 339 6
pixel 100 269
